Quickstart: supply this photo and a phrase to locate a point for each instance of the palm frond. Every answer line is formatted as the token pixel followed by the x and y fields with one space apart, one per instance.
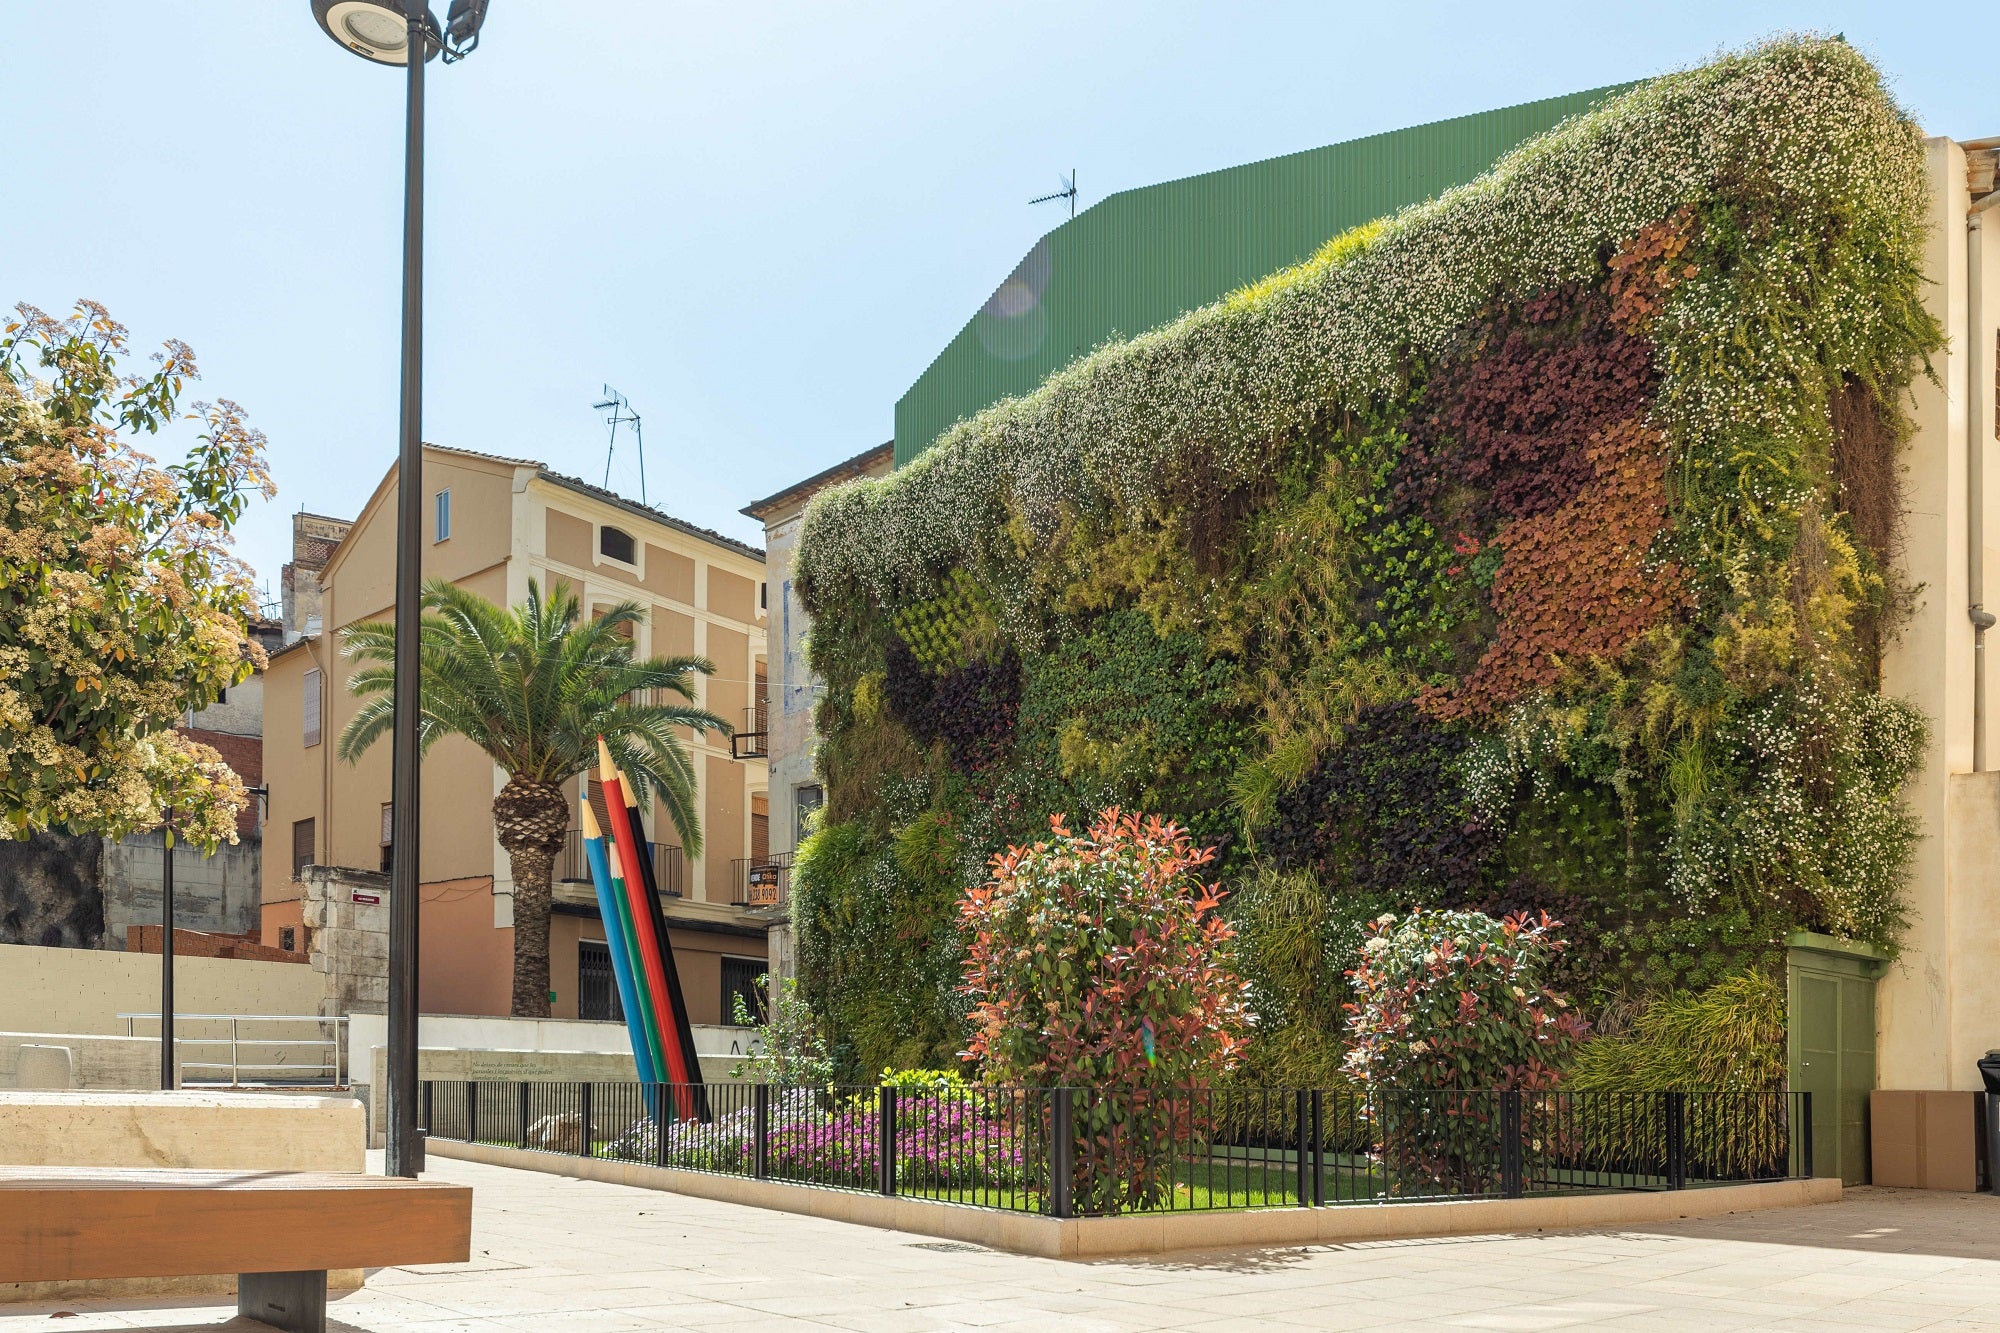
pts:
pixel 534 686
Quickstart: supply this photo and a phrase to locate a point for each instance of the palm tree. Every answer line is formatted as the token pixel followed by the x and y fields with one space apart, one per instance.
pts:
pixel 534 687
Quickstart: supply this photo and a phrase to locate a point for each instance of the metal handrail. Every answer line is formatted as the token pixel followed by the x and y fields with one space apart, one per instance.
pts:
pixel 235 1040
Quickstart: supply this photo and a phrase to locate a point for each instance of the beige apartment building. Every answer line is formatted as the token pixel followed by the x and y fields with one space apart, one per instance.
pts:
pixel 490 525
pixel 795 790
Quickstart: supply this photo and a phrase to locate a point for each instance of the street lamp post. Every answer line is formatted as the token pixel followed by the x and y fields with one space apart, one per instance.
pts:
pixel 388 32
pixel 167 954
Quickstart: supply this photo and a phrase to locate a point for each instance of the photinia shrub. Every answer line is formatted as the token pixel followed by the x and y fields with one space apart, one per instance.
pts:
pixel 1457 1000
pixel 1449 1009
pixel 1098 961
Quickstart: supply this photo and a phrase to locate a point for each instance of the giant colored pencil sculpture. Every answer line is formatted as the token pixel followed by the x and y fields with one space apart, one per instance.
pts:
pixel 683 1032
pixel 652 946
pixel 617 942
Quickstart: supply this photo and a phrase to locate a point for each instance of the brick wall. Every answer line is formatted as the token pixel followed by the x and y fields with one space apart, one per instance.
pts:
pixel 205 944
pixel 245 754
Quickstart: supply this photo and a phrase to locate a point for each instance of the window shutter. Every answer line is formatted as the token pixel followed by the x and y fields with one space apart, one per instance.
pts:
pixel 302 845
pixel 388 822
pixel 312 692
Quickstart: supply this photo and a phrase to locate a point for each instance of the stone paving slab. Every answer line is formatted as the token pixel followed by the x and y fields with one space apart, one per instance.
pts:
pixel 551 1253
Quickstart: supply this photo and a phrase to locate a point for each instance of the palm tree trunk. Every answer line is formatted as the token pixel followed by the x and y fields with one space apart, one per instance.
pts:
pixel 530 819
pixel 532 868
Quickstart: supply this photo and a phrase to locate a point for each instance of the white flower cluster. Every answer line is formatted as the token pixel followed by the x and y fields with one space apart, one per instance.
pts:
pixel 1806 118
pixel 1817 813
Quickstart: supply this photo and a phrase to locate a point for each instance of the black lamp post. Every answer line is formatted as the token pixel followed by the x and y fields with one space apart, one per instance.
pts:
pixel 167 953
pixel 387 32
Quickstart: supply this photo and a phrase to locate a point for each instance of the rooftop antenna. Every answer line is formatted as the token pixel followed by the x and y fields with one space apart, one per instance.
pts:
pixel 617 412
pixel 1068 191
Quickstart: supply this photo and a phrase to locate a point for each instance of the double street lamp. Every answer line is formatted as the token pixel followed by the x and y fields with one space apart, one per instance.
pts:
pixel 388 32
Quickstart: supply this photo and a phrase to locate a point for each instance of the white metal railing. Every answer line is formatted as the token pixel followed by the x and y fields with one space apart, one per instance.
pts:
pixel 329 1069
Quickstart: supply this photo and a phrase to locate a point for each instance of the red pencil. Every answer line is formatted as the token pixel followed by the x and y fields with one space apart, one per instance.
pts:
pixel 620 829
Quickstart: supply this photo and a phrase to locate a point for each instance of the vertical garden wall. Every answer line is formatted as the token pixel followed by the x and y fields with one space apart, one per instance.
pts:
pixel 1530 549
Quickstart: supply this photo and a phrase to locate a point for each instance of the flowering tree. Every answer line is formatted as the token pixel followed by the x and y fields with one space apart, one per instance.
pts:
pixel 1097 962
pixel 121 606
pixel 1447 1008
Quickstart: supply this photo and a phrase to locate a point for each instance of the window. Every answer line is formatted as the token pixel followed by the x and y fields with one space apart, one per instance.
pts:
pixel 763 597
pixel 739 978
pixel 617 544
pixel 303 837
pixel 222 695
pixel 388 836
pixel 312 706
pixel 596 983
pixel 288 938
pixel 443 516
pixel 806 800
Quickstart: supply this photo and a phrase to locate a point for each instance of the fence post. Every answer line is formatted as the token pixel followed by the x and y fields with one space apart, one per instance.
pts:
pixel 471 1111
pixel 589 1145
pixel 1806 1117
pixel 1675 1107
pixel 524 1114
pixel 1062 1153
pixel 760 1114
pixel 430 1120
pixel 885 1135
pixel 1318 1150
pixel 1510 1144
pixel 1302 1118
pixel 663 1123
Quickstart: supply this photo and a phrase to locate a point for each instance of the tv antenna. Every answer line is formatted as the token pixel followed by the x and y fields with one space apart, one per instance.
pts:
pixel 618 411
pixel 1068 191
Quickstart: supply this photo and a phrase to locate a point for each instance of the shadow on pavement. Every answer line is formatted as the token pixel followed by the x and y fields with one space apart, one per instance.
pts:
pixel 1867 1219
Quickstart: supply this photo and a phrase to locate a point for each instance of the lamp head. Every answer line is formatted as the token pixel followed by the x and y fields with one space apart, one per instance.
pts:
pixel 377 30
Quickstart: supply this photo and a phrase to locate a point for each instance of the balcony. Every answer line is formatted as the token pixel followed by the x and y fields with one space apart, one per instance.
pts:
pixel 753 739
pixel 669 866
pixel 763 885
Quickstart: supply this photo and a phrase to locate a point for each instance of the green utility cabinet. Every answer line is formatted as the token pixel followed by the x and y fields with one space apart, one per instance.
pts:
pixel 1830 1044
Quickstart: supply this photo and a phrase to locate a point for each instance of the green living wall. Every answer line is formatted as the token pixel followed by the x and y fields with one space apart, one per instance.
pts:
pixel 1528 550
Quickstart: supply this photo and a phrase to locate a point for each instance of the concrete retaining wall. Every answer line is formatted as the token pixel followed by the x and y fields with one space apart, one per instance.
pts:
pixel 83 990
pixel 499 1103
pixel 1106 1237
pixel 471 1032
pixel 220 891
pixel 96 1061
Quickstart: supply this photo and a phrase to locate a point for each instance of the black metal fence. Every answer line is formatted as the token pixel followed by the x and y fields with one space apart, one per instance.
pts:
pixel 1072 1152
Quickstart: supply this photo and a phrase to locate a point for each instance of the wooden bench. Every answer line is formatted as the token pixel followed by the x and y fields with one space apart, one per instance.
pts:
pixel 280 1231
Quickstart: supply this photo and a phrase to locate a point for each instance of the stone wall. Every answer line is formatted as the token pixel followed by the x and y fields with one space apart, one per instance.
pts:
pixel 347 928
pixel 50 893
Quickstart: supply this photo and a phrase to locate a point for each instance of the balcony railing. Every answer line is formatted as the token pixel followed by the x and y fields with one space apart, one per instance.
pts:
pixel 669 866
pixel 753 739
pixel 765 884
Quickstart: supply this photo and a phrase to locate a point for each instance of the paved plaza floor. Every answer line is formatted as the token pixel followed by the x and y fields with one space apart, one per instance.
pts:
pixel 553 1253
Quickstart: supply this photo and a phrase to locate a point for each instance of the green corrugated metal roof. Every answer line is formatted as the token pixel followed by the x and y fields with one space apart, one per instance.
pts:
pixel 1143 257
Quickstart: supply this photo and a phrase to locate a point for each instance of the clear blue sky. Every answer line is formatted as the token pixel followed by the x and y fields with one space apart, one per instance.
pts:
pixel 760 221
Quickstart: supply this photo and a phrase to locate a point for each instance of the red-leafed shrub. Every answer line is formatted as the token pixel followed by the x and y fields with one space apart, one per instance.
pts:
pixel 1449 1008
pixel 1097 961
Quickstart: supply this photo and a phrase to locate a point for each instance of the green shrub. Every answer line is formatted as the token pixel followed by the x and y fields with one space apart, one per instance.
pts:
pixel 1727 1038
